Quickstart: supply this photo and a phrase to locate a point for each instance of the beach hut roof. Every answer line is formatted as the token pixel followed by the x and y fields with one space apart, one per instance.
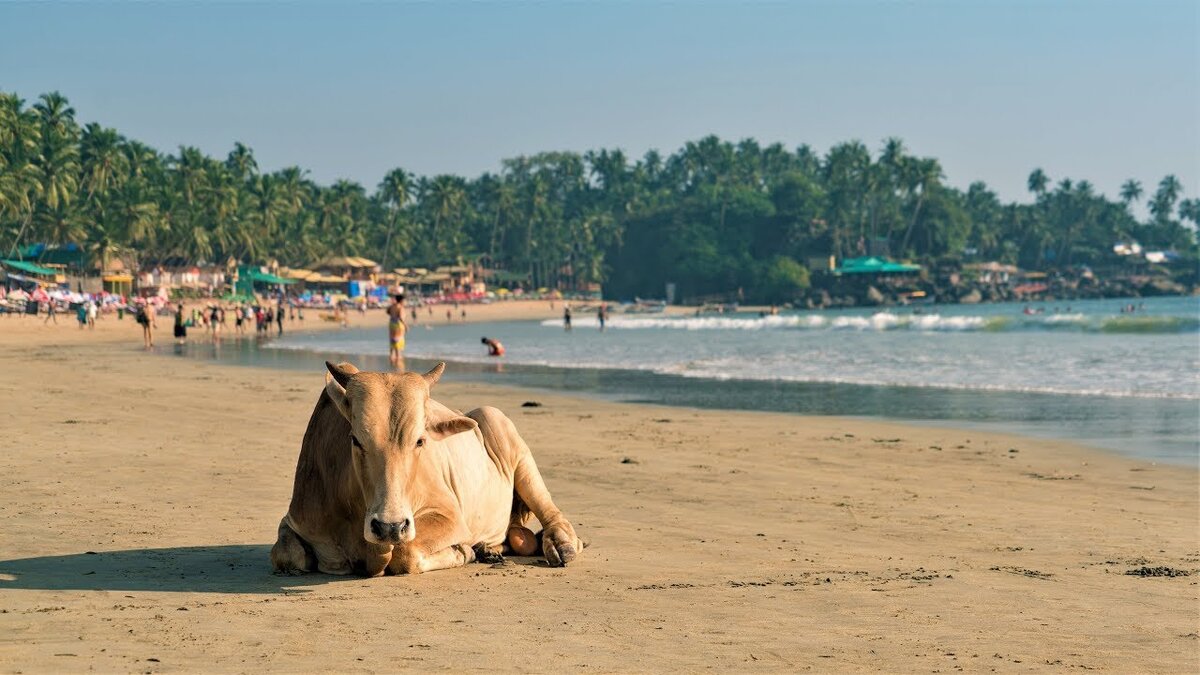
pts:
pixel 29 267
pixel 992 266
pixel 296 273
pixel 874 265
pixel 266 278
pixel 348 261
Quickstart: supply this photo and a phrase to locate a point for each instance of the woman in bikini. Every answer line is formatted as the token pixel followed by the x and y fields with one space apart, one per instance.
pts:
pixel 396 329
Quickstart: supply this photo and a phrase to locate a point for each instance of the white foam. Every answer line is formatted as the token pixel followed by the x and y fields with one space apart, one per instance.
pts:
pixel 880 321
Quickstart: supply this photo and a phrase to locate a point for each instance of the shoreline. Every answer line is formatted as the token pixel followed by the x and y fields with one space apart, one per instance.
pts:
pixel 913 406
pixel 141 496
pixel 1156 427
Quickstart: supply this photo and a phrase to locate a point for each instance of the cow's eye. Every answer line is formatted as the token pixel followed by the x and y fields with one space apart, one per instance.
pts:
pixel 420 442
pixel 355 442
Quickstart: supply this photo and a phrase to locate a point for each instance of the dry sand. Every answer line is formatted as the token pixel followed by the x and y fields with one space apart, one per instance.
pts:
pixel 139 496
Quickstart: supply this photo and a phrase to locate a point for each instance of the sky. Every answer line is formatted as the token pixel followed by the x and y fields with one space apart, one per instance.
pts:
pixel 1093 89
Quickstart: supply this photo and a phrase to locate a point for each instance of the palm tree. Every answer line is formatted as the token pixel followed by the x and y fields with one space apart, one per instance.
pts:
pixel 59 150
pixel 922 175
pixel 446 195
pixel 1037 182
pixel 105 166
pixel 1189 209
pixel 241 162
pixel 1162 205
pixel 1131 191
pixel 20 176
pixel 394 192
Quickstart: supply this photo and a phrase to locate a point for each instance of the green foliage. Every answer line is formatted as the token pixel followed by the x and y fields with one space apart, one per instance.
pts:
pixel 781 280
pixel 715 218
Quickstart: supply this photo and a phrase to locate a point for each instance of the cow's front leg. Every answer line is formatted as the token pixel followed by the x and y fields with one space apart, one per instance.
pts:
pixel 560 544
pixel 291 554
pixel 438 545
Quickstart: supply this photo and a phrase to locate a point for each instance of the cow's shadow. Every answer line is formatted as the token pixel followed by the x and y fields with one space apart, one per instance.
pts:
pixel 239 568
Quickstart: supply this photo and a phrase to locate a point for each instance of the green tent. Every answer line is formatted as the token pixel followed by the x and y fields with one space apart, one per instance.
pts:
pixel 874 265
pixel 29 267
pixel 265 278
pixel 248 276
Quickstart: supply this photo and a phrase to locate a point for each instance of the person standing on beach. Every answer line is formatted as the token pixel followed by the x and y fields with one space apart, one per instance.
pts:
pixel 180 329
pixel 566 317
pixel 81 315
pixel 51 312
pixel 396 329
pixel 214 321
pixel 92 310
pixel 602 314
pixel 279 316
pixel 145 316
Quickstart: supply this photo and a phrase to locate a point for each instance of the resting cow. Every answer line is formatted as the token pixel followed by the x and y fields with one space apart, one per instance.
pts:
pixel 391 481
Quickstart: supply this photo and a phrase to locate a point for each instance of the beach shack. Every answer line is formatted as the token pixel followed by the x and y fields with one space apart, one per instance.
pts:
pixel 864 277
pixel 23 270
pixel 250 279
pixel 991 272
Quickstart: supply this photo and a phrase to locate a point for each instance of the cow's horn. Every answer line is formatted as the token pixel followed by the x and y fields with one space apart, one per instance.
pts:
pixel 435 374
pixel 341 372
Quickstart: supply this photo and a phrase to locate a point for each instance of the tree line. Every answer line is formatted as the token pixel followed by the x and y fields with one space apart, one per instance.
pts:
pixel 713 217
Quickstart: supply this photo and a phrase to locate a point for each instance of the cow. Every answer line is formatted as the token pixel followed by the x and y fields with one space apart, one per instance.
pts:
pixel 389 481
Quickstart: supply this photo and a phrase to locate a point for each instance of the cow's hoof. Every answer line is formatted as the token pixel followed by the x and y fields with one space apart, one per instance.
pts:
pixel 289 572
pixel 560 545
pixel 484 555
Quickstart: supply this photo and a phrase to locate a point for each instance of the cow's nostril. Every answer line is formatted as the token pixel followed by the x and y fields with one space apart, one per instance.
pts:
pixel 404 525
pixel 379 528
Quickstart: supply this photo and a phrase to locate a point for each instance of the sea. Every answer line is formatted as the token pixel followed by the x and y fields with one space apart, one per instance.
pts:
pixel 1091 371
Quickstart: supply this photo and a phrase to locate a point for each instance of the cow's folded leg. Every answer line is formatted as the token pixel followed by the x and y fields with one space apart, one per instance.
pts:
pixel 291 554
pixel 415 561
pixel 437 546
pixel 560 544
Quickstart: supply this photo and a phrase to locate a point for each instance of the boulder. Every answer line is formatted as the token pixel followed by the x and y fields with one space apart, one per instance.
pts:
pixel 973 297
pixel 874 297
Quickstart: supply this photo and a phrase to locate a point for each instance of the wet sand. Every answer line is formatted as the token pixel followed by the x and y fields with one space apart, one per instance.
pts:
pixel 139 496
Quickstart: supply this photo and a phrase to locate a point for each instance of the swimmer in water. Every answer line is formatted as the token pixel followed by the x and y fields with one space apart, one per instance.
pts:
pixel 494 346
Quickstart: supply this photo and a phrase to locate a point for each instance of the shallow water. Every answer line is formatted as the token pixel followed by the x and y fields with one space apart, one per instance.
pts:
pixel 1087 372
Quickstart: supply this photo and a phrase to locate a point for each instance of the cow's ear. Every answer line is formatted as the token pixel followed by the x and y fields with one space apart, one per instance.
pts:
pixel 337 394
pixel 434 374
pixel 449 427
pixel 342 371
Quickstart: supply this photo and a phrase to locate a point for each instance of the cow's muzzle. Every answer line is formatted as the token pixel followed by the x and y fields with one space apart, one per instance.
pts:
pixel 391 533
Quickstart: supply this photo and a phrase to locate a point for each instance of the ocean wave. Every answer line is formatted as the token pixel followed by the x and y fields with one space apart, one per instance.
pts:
pixel 890 321
pixel 725 371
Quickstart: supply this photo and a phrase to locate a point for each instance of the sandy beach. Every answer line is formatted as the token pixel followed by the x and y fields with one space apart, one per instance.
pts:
pixel 140 495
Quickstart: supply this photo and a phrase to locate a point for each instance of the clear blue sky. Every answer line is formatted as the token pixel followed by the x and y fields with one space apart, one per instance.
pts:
pixel 1091 89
